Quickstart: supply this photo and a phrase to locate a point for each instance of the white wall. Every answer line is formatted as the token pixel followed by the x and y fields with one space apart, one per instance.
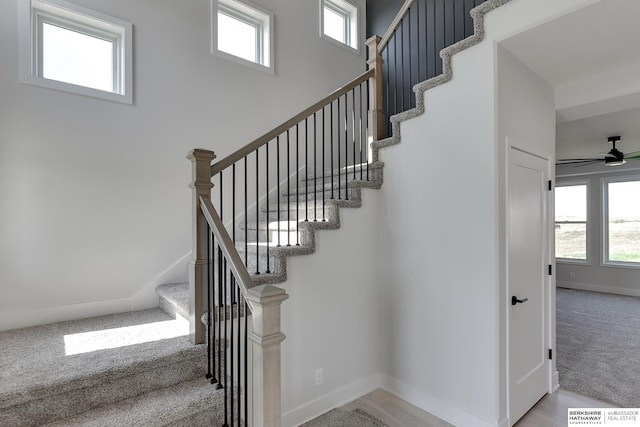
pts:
pixel 94 207
pixel 443 282
pixel 527 121
pixel 594 276
pixel 332 317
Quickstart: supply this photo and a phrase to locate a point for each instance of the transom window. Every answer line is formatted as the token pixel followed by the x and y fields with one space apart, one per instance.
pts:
pixel 339 22
pixel 622 222
pixel 67 47
pixel 242 31
pixel 571 222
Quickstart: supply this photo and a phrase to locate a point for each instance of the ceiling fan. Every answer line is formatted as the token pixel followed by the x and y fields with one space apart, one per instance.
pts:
pixel 614 157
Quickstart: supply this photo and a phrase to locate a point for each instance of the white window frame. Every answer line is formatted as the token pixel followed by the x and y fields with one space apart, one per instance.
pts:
pixel 352 17
pixel 250 14
pixel 606 262
pixel 33 13
pixel 587 222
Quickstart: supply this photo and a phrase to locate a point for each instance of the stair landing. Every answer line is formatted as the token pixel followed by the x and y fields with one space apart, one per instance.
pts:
pixel 61 370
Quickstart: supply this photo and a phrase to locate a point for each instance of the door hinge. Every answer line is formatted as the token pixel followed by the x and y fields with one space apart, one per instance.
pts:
pixel 550 354
pixel 550 270
pixel 550 185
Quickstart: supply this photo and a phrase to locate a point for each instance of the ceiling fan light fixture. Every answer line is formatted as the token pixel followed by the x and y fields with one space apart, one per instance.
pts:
pixel 614 162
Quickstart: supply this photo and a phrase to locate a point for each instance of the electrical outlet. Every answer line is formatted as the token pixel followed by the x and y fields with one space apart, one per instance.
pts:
pixel 572 275
pixel 319 376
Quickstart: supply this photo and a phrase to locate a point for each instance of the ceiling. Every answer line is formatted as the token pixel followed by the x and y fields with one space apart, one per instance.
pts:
pixel 590 41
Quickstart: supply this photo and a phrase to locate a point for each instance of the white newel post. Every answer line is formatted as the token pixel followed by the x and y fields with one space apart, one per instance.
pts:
pixel 376 101
pixel 201 186
pixel 265 301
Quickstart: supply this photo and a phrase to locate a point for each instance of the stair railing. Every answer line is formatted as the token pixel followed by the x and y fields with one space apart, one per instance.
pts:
pixel 247 208
pixel 410 50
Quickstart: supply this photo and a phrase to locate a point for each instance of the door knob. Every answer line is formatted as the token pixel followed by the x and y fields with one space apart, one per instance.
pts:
pixel 515 300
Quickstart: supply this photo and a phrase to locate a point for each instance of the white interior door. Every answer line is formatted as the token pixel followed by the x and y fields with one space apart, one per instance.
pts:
pixel 528 278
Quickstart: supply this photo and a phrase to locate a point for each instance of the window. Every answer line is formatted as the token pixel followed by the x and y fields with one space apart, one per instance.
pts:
pixel 70 48
pixel 242 31
pixel 339 22
pixel 571 222
pixel 622 222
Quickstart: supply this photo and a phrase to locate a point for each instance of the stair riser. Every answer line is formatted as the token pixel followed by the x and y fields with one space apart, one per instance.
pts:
pixel 261 235
pixel 258 263
pixel 374 175
pixel 105 391
pixel 318 196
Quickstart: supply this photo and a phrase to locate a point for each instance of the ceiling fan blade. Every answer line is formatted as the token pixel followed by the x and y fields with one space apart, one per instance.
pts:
pixel 593 162
pixel 609 155
pixel 632 156
pixel 572 161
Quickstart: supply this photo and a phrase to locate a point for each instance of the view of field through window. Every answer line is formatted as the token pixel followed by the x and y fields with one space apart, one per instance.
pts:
pixel 571 222
pixel 624 221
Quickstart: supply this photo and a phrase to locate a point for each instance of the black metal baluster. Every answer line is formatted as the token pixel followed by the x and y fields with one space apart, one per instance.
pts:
pixel 402 55
pixel 257 214
pixel 353 128
pixel 367 127
pixel 278 181
pixel 315 174
pixel 288 190
pixel 246 361
pixel 221 265
pixel 297 181
pixel 306 169
pixel 339 119
pixel 346 145
pixel 268 237
pixel 362 134
pixel 231 370
pixel 239 359
pixel 233 203
pixel 221 374
pixel 331 144
pixel 209 307
pixel 323 166
pixel 246 220
pixel 225 371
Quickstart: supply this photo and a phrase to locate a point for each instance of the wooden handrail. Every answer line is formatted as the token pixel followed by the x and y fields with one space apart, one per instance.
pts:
pixel 394 24
pixel 269 136
pixel 226 245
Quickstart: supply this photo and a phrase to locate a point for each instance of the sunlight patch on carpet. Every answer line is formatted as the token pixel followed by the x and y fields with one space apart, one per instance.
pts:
pixel 87 342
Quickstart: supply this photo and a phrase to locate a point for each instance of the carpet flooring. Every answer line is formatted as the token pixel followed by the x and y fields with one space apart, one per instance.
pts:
pixel 598 345
pixel 342 418
pixel 62 370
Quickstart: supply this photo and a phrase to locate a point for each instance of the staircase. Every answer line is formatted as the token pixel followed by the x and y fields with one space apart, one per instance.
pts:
pixel 135 368
pixel 92 372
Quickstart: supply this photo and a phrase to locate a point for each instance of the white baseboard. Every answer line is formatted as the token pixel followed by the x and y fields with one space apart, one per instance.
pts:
pixel 555 382
pixel 440 409
pixel 40 316
pixel 336 398
pixel 599 288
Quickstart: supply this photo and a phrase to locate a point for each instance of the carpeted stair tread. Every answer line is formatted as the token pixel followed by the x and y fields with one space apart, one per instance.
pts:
pixel 174 298
pixel 174 406
pixel 57 370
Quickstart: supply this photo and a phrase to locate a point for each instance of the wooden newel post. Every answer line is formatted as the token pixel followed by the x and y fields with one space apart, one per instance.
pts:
pixel 265 301
pixel 201 185
pixel 376 101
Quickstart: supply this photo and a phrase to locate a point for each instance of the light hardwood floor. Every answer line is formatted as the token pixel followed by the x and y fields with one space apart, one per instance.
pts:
pixel 550 411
